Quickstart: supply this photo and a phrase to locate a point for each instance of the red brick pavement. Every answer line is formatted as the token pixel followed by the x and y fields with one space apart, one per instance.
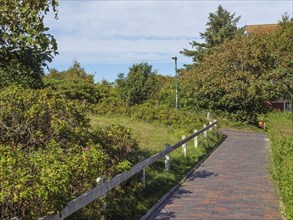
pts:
pixel 233 183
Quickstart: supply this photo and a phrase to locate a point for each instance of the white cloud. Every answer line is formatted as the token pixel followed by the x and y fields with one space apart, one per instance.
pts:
pixel 132 31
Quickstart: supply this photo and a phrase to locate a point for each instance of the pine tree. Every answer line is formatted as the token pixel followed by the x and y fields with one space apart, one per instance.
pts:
pixel 221 26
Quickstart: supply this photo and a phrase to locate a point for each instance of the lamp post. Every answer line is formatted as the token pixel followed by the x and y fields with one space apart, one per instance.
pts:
pixel 176 83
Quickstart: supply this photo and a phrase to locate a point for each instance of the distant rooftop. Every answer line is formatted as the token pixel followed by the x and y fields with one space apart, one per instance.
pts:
pixel 261 28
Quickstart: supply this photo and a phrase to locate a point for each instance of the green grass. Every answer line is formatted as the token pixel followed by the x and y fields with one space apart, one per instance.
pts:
pixel 152 137
pixel 280 130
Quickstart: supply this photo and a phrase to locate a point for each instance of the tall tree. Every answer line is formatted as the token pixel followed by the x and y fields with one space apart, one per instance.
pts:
pixel 242 74
pixel 25 45
pixel 139 85
pixel 221 26
pixel 282 51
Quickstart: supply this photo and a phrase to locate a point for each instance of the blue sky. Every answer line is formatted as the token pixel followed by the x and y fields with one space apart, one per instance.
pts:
pixel 107 37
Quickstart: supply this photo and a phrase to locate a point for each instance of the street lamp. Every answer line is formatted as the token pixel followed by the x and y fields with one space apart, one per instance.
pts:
pixel 176 83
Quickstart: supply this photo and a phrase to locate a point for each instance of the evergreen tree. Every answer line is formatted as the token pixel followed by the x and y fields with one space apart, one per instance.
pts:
pixel 139 85
pixel 221 26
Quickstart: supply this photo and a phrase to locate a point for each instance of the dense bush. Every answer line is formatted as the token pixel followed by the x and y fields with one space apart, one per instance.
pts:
pixel 121 148
pixel 180 121
pixel 281 137
pixel 43 181
pixel 74 83
pixel 33 118
pixel 49 155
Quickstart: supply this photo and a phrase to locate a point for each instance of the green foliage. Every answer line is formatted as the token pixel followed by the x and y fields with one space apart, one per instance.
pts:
pixel 76 84
pixel 165 93
pixel 41 182
pixel 49 155
pixel 281 137
pixel 32 118
pixel 125 200
pixel 139 85
pixel 107 91
pixel 221 26
pixel 180 121
pixel 281 48
pixel 240 75
pixel 25 45
pixel 117 143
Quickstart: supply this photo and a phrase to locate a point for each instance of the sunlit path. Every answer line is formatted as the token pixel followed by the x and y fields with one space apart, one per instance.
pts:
pixel 233 183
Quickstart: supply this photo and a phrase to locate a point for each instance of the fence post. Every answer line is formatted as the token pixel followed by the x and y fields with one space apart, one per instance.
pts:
pixel 205 132
pixel 141 158
pixel 167 159
pixel 100 181
pixel 184 151
pixel 211 128
pixel 216 123
pixel 208 116
pixel 195 140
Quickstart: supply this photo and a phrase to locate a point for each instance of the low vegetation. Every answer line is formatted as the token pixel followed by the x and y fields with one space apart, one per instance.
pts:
pixel 49 155
pixel 280 130
pixel 180 122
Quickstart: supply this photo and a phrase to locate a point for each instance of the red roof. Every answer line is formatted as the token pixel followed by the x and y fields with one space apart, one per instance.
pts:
pixel 261 28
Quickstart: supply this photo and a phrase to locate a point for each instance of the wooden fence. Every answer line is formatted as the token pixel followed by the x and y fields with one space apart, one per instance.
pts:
pixel 106 186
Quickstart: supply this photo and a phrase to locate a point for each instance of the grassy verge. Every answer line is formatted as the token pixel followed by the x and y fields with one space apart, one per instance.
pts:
pixel 280 130
pixel 152 137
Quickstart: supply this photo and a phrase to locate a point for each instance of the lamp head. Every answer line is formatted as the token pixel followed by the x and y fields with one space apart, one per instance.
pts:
pixel 174 58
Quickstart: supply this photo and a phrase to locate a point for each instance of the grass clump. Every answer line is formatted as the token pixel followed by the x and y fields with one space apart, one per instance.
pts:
pixel 280 130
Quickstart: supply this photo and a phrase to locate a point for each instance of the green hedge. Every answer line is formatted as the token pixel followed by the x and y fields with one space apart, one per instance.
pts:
pixel 280 130
pixel 181 122
pixel 49 154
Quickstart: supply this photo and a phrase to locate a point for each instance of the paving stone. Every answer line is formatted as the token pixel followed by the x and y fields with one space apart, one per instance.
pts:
pixel 233 183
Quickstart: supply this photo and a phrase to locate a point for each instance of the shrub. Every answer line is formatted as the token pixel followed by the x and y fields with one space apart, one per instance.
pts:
pixel 121 148
pixel 49 155
pixel 281 137
pixel 181 122
pixel 74 83
pixel 43 181
pixel 33 118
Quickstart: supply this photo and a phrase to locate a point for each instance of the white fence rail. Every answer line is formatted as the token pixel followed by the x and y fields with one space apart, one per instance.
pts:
pixel 105 187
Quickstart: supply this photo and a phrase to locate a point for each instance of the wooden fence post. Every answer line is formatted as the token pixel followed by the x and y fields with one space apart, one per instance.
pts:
pixel 195 140
pixel 184 150
pixel 167 159
pixel 205 132
pixel 208 116
pixel 100 181
pixel 211 128
pixel 141 158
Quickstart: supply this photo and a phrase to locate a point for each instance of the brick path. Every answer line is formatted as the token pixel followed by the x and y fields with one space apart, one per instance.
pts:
pixel 233 183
